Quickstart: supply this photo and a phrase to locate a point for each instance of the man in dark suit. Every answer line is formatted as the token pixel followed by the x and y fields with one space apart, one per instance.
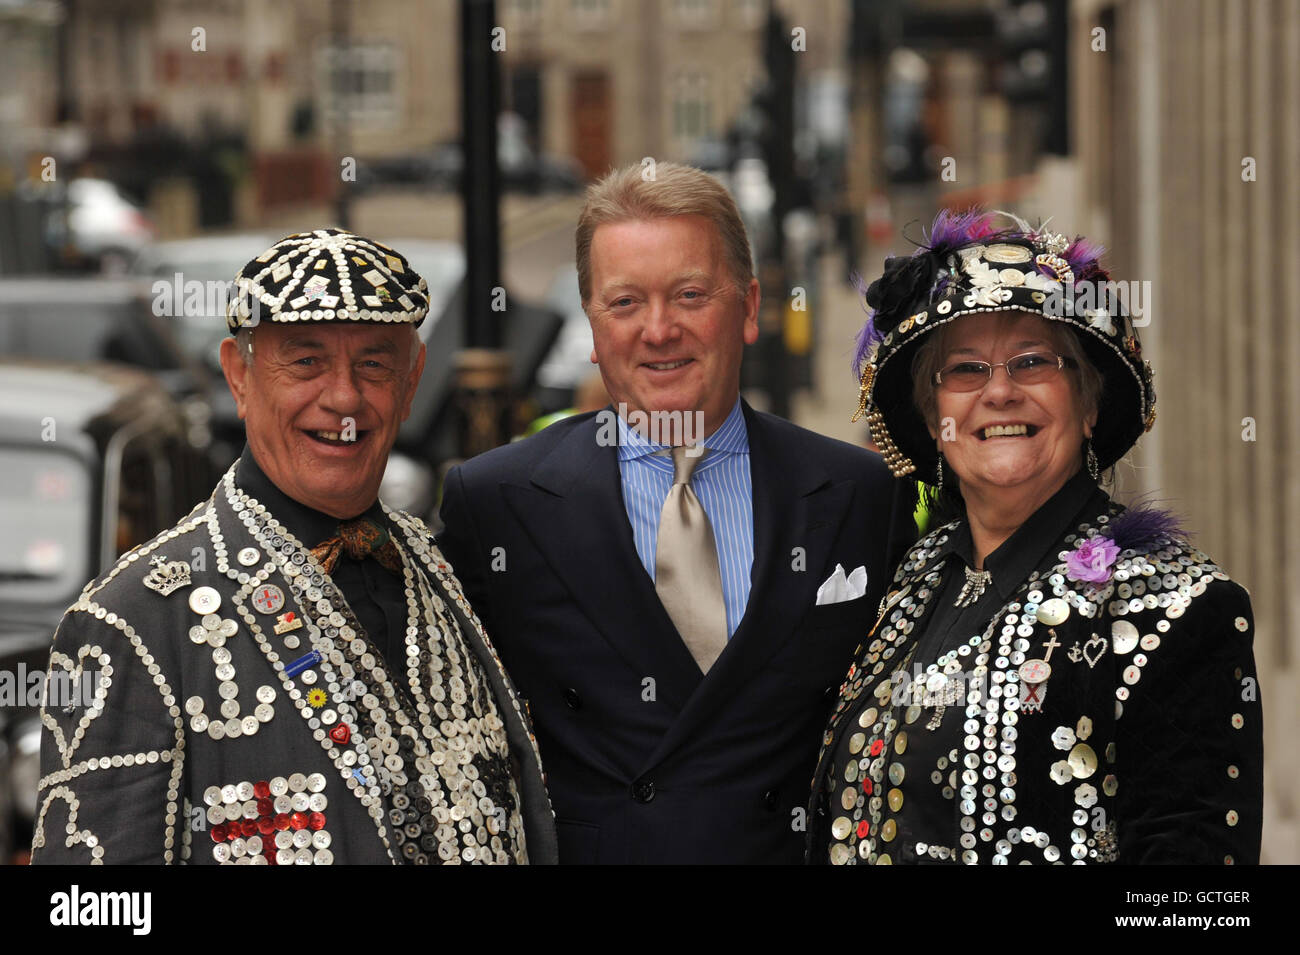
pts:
pixel 678 612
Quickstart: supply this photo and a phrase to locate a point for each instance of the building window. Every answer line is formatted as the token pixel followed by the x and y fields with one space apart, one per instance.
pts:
pixel 692 107
pixel 694 14
pixel 591 14
pixel 751 13
pixel 525 14
pixel 358 84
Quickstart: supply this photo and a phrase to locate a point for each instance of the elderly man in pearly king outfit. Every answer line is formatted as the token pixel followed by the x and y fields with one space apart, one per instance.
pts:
pixel 293 674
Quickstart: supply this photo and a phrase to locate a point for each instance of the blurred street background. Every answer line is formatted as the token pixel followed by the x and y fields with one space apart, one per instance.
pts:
pixel 149 148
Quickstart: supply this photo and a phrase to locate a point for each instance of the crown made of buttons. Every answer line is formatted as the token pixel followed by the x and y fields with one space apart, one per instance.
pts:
pixel 972 266
pixel 327 275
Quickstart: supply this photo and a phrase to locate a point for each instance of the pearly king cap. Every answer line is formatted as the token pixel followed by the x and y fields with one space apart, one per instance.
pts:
pixel 970 267
pixel 327 275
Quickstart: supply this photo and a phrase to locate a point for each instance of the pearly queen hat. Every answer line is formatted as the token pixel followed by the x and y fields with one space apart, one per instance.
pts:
pixel 971 267
pixel 327 275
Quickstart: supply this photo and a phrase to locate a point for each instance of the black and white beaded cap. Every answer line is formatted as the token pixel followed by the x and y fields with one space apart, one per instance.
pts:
pixel 327 275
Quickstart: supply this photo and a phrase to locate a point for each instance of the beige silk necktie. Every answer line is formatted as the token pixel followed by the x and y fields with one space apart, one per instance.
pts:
pixel 687 577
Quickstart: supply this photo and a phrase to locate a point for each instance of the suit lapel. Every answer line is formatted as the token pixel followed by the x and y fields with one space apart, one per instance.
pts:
pixel 573 512
pixel 795 506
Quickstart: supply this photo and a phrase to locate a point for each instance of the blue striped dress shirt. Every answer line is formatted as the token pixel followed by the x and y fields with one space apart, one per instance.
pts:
pixel 723 484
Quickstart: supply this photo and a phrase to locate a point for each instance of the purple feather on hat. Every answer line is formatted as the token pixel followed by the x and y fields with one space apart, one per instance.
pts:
pixel 868 335
pixel 952 230
pixel 1084 257
pixel 867 339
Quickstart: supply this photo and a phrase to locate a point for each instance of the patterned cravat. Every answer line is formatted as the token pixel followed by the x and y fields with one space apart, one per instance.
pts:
pixel 687 578
pixel 359 538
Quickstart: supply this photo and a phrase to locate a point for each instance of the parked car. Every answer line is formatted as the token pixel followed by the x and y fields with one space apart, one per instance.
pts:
pixel 94 459
pixel 201 263
pixel 82 319
pixel 568 363
pixel 522 168
pixel 99 226
pixel 179 262
pixel 442 264
pixel 441 171
pixel 174 274
pixel 438 170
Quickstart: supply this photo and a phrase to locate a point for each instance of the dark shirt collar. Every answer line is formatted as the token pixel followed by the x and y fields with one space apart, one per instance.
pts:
pixel 1024 550
pixel 305 523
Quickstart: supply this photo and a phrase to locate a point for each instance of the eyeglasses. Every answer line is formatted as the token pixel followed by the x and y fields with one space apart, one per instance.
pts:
pixel 1031 368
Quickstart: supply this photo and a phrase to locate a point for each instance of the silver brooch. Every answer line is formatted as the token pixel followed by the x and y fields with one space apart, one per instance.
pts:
pixel 167 576
pixel 1053 242
pixel 973 589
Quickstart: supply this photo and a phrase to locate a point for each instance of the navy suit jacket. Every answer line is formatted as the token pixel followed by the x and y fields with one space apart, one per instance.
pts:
pixel 647 759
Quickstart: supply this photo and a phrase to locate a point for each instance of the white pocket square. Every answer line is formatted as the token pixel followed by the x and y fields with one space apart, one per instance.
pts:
pixel 838 588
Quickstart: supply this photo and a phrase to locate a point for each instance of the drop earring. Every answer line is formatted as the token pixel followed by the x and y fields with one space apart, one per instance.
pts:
pixel 1093 470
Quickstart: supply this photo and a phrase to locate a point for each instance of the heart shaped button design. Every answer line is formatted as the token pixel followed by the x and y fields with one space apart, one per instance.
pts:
pixel 341 734
pixel 75 684
pixel 1093 650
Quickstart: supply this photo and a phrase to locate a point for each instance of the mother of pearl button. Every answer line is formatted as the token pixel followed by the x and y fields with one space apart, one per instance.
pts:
pixel 1053 612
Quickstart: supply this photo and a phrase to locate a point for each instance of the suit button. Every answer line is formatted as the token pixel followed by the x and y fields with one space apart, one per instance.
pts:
pixel 643 790
pixel 770 800
pixel 572 699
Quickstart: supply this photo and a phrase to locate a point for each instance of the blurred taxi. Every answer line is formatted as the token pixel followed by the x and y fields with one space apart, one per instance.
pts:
pixel 94 459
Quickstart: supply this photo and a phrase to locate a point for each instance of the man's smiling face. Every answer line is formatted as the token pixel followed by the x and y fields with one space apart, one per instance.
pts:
pixel 668 324
pixel 304 385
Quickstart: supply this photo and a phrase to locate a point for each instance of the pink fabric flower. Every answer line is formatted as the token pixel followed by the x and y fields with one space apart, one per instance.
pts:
pixel 1091 561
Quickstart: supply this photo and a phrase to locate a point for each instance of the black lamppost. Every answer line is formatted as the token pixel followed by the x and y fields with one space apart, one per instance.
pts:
pixel 482 366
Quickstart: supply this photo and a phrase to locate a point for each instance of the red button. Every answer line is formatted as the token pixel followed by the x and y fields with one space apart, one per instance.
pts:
pixel 316 821
pixel 864 829
pixel 866 786
pixel 341 734
pixel 298 820
pixel 269 852
pixel 265 807
pixel 218 833
pixel 266 825
pixel 282 821
pixel 877 746
pixel 261 789
pixel 250 827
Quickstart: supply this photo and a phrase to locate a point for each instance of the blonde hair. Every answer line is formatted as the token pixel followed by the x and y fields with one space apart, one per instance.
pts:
pixel 663 191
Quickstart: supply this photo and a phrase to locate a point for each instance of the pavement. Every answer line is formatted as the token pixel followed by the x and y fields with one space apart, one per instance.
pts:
pixel 828 405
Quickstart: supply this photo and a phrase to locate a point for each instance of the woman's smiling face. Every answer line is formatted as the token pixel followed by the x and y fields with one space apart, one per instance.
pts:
pixel 1009 438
